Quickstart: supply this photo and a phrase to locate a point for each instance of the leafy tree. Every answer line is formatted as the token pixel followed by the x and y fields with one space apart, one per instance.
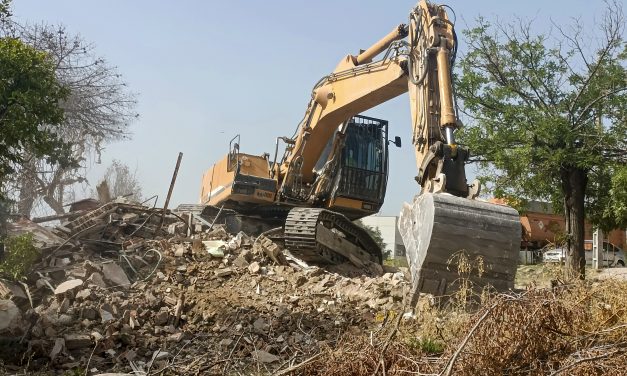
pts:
pixel 607 200
pixel 98 109
pixel 29 99
pixel 617 207
pixel 5 10
pixel 548 117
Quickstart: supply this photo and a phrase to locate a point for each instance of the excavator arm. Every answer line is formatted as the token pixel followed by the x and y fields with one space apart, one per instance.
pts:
pixel 421 66
pixel 356 85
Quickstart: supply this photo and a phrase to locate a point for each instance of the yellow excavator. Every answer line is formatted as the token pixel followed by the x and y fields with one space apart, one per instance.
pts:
pixel 334 169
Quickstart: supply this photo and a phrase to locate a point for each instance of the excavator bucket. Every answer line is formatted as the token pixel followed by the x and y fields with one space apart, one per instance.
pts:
pixel 449 239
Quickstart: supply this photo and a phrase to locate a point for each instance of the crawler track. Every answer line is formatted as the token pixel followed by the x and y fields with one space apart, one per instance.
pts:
pixel 300 232
pixel 300 236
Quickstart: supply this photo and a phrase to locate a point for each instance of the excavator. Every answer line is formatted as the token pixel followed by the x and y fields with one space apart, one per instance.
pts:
pixel 334 169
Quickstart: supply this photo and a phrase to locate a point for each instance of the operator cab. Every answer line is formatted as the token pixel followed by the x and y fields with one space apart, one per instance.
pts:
pixel 360 176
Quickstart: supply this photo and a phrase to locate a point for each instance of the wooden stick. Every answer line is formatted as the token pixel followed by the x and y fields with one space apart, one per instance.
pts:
pixel 167 199
pixel 583 360
pixel 179 308
pixel 449 367
pixel 297 366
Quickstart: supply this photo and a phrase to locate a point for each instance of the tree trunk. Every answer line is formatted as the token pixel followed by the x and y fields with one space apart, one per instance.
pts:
pixel 574 182
pixel 27 195
pixel 4 216
pixel 54 204
pixel 27 186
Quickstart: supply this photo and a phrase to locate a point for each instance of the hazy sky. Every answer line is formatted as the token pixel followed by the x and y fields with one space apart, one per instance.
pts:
pixel 205 71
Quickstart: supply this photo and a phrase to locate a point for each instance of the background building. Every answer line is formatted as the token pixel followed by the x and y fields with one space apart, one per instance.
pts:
pixel 388 225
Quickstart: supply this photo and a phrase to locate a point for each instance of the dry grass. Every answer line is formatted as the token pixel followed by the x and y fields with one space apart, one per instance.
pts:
pixel 576 329
pixel 541 275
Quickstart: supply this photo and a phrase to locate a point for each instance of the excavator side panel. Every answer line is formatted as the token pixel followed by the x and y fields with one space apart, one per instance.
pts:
pixel 239 180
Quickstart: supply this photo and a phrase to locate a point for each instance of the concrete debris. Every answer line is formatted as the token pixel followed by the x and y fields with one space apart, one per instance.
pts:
pixel 11 290
pixel 68 286
pixel 114 274
pixel 264 357
pixel 10 317
pixel 57 348
pixel 162 318
pixel 105 315
pixel 159 355
pixel 272 250
pixel 129 296
pixel 215 247
pixel 84 294
pixel 180 251
pixel 43 237
pixel 77 341
pixel 224 272
pixel 240 262
pixel 96 280
pixel 254 268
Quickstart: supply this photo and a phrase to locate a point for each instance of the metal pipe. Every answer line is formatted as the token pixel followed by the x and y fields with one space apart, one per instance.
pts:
pixel 276 152
pixel 399 32
pixel 216 217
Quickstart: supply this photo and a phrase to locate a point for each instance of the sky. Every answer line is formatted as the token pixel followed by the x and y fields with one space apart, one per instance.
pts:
pixel 205 71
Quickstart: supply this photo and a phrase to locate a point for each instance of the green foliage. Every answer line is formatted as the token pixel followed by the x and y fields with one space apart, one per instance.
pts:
pixel 541 108
pixel 75 372
pixel 5 10
pixel 617 208
pixel 395 262
pixel 19 256
pixel 607 199
pixel 426 345
pixel 29 106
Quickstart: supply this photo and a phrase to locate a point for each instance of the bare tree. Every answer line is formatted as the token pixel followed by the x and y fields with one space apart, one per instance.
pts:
pixel 122 182
pixel 98 110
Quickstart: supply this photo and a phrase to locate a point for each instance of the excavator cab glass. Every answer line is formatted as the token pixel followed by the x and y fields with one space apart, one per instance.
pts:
pixel 363 167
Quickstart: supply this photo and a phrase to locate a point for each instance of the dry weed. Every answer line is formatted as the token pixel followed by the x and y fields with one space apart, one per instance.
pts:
pixel 579 329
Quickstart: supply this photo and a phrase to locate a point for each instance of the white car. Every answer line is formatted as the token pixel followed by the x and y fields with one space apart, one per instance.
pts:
pixel 611 255
pixel 555 255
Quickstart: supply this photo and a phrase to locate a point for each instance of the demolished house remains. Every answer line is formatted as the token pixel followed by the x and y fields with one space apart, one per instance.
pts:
pixel 125 287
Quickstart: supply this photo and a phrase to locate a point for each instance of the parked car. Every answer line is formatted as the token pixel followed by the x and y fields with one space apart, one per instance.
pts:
pixel 612 255
pixel 554 255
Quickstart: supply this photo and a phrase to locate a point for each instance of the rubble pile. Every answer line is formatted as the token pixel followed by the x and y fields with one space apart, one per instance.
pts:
pixel 123 288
